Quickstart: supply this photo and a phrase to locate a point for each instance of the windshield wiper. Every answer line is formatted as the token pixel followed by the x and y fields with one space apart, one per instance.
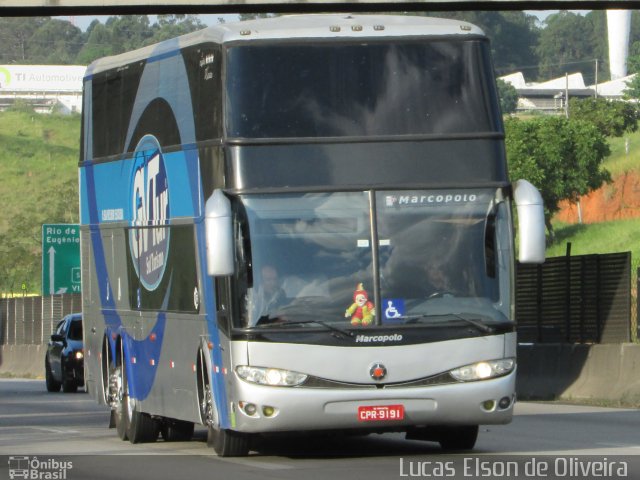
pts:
pixel 483 327
pixel 273 322
pixel 479 324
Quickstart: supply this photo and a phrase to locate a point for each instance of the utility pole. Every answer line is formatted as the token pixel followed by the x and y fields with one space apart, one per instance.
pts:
pixel 566 95
pixel 596 78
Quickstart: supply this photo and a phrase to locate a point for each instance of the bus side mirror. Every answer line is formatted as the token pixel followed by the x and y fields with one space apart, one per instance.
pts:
pixel 218 226
pixel 530 222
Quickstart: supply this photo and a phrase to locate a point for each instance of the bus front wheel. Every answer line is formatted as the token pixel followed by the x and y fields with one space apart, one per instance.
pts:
pixel 228 443
pixel 458 438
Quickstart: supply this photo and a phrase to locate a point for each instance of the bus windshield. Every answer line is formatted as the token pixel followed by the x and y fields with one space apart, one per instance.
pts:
pixel 404 87
pixel 441 255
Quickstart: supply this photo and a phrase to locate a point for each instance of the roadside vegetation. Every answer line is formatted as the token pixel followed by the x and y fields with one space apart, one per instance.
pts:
pixel 39 171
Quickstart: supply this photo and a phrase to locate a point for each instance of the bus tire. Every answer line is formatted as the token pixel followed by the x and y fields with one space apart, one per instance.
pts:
pixel 458 438
pixel 142 427
pixel 228 443
pixel 122 406
pixel 176 430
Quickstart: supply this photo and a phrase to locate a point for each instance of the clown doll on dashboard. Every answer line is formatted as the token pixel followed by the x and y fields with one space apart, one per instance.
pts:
pixel 361 310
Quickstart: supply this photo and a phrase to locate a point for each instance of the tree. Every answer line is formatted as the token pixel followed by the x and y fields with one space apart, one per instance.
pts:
pixel 632 92
pixel 562 157
pixel 98 45
pixel 633 61
pixel 14 34
pixel 513 35
pixel 55 42
pixel 129 32
pixel 170 26
pixel 611 118
pixel 565 44
pixel 508 97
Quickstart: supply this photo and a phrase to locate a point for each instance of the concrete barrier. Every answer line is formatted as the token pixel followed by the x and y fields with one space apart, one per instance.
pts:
pixel 22 360
pixel 608 372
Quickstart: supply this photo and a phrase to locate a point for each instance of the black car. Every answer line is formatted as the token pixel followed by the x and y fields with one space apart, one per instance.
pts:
pixel 64 362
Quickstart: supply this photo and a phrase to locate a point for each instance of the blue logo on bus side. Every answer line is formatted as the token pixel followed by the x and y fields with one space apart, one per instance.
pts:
pixel 149 210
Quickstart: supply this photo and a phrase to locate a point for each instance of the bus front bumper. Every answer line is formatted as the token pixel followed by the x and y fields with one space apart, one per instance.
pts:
pixel 285 409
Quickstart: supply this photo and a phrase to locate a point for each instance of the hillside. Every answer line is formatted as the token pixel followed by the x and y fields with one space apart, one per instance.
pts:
pixel 611 214
pixel 39 169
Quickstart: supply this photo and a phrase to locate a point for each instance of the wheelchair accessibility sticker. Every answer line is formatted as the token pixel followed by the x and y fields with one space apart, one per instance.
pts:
pixel 393 310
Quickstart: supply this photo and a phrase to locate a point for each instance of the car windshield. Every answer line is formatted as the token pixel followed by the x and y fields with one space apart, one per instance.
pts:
pixel 308 258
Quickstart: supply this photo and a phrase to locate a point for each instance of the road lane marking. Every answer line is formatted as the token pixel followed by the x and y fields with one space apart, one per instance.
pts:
pixel 53 430
pixel 619 445
pixel 248 462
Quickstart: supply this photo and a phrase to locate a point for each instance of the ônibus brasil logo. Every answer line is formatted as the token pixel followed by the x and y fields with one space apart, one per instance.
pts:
pixel 149 239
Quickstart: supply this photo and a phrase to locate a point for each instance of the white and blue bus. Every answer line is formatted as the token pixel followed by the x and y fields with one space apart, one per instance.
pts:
pixel 302 224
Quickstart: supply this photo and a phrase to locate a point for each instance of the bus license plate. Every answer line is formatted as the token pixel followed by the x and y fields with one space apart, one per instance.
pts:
pixel 380 413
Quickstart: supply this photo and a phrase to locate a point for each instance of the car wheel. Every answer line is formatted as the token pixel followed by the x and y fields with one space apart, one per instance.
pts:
pixel 52 385
pixel 69 385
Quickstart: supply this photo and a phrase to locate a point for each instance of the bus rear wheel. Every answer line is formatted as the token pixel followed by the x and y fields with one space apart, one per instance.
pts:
pixel 121 410
pixel 142 428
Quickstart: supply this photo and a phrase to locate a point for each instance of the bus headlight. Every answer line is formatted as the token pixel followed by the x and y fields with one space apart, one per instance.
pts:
pixel 270 376
pixel 484 370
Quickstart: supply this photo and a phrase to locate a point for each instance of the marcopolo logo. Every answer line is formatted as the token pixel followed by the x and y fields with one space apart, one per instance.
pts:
pixel 396 337
pixel 433 199
pixel 149 239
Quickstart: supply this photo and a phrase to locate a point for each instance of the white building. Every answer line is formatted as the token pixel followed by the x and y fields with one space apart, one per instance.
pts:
pixel 613 89
pixel 45 87
pixel 547 96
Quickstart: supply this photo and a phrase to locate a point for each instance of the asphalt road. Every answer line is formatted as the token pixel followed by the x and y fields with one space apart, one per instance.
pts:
pixel 544 441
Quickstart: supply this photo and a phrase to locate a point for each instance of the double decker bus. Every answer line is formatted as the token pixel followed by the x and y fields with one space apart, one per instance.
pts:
pixel 300 224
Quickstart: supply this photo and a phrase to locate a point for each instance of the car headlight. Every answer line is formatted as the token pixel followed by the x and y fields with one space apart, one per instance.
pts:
pixel 79 355
pixel 484 370
pixel 270 376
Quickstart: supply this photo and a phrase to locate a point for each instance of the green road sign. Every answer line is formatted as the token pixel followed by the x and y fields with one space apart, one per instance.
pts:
pixel 60 258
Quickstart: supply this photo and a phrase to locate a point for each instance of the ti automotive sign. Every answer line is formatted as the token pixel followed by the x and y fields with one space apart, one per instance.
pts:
pixel 60 258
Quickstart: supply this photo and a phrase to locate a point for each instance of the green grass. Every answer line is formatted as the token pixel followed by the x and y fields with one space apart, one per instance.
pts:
pixel 619 162
pixel 38 153
pixel 39 171
pixel 605 237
